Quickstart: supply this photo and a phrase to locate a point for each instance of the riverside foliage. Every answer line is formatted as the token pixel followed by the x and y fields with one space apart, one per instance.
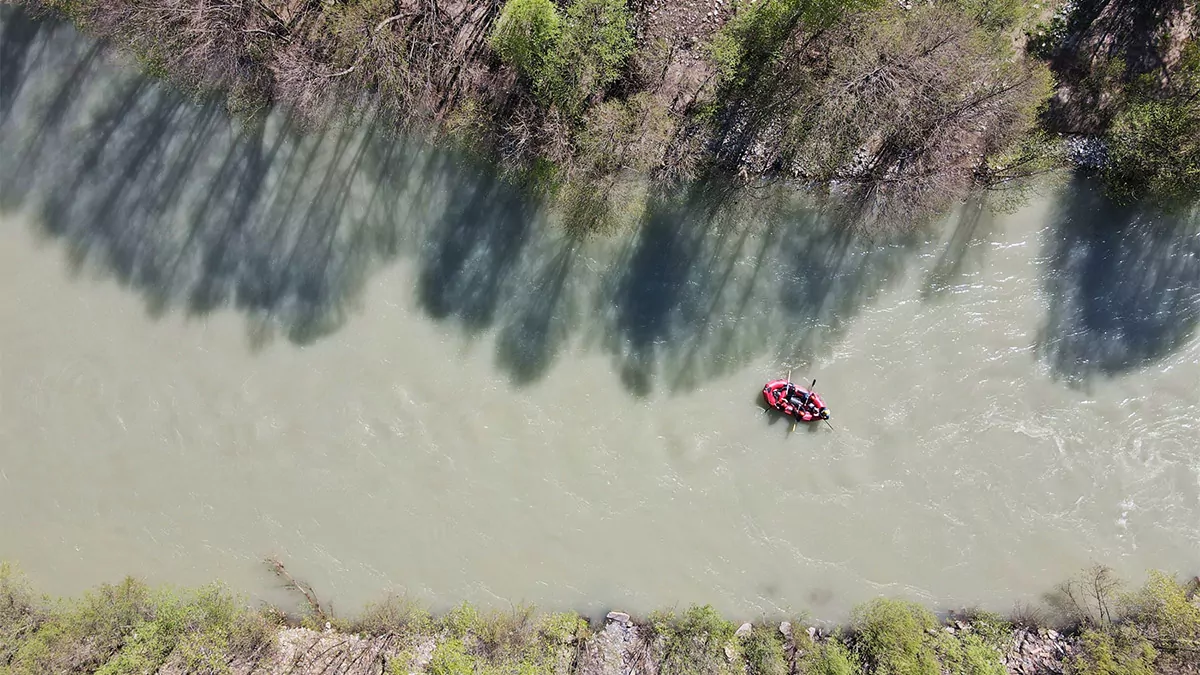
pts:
pixel 130 627
pixel 898 110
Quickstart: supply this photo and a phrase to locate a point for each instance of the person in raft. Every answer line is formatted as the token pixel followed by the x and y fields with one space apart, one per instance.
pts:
pixel 806 408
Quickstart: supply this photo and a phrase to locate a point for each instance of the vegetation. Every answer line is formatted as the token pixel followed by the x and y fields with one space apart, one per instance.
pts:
pixel 897 112
pixel 130 628
pixel 1154 140
pixel 694 642
pixel 1155 628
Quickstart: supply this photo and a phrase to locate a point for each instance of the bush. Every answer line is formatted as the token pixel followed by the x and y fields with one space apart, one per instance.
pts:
pixel 19 611
pixel 450 657
pixel 569 60
pixel 596 39
pixel 1044 39
pixel 1119 652
pixel 526 34
pixel 391 617
pixel 893 637
pixel 832 657
pixel 564 628
pixel 129 628
pixel 460 620
pixel 997 16
pixel 763 651
pixel 1165 614
pixel 694 643
pixel 757 35
pixel 968 653
pixel 1153 152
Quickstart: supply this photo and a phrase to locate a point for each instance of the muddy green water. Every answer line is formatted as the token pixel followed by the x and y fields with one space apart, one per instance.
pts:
pixel 220 342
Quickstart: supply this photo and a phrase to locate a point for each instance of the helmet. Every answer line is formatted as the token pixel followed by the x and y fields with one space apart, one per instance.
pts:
pixel 824 413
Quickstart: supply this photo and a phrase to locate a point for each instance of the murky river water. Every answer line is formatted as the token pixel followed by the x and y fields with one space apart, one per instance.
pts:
pixel 220 342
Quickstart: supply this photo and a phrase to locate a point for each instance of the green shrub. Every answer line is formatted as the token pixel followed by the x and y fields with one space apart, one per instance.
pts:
pixel 1165 614
pixel 694 643
pixel 1115 652
pixel 393 616
pixel 564 627
pixel 450 657
pixel 763 651
pixel 461 620
pixel 758 33
pixel 82 635
pixel 526 34
pixel 20 612
pixel 997 16
pixel 831 657
pixel 129 628
pixel 993 629
pixel 1046 37
pixel 893 637
pixel 1153 152
pixel 506 632
pixel 596 39
pixel 967 653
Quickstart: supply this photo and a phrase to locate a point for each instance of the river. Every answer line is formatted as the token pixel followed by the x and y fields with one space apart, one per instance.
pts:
pixel 379 362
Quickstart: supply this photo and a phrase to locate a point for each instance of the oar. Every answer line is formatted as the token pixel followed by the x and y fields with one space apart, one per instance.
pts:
pixel 812 390
pixel 789 381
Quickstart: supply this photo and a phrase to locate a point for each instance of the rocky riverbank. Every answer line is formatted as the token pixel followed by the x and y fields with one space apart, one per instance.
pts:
pixel 621 647
pixel 130 628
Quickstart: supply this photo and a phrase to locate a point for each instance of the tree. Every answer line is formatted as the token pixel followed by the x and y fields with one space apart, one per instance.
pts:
pixel 596 40
pixel 900 109
pixel 526 35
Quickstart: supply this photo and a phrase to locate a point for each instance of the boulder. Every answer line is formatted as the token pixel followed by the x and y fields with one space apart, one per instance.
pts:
pixel 618 617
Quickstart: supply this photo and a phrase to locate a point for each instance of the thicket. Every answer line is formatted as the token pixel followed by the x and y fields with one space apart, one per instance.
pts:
pixel 1130 75
pixel 897 112
pixel 905 110
pixel 130 627
pixel 1122 631
pixel 1154 140
pixel 900 111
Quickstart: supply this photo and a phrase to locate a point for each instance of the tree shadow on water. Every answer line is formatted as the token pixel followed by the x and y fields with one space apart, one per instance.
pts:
pixel 972 229
pixel 474 249
pixel 286 224
pixel 542 314
pixel 1123 286
pixel 710 284
pixel 196 211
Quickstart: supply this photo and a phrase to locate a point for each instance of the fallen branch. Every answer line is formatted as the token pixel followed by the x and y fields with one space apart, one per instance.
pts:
pixel 291 583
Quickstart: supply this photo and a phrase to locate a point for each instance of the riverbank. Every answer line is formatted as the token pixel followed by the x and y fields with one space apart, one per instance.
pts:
pixel 602 103
pixel 1102 628
pixel 594 99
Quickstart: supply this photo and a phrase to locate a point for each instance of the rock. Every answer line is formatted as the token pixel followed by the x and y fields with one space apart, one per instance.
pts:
pixel 786 629
pixel 729 653
pixel 812 633
pixel 1052 634
pixel 618 617
pixel 743 630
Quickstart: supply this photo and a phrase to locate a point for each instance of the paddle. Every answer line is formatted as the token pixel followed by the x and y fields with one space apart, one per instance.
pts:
pixel 812 390
pixel 789 381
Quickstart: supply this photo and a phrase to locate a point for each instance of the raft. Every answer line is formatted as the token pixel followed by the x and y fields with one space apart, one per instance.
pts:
pixel 797 405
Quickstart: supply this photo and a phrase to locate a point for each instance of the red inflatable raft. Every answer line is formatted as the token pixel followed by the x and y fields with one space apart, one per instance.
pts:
pixel 794 401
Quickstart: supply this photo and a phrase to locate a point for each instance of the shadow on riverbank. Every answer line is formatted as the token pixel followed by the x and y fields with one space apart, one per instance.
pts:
pixel 1123 286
